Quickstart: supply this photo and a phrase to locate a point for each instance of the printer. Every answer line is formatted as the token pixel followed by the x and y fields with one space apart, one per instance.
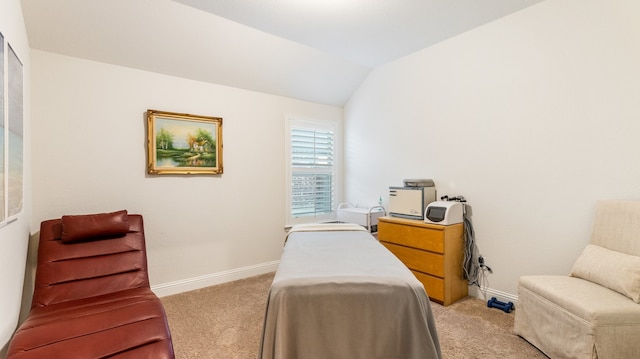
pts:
pixel 411 200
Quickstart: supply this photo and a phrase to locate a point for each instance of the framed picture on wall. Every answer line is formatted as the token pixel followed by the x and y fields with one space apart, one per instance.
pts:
pixel 15 136
pixel 183 144
pixel 2 133
pixel 11 133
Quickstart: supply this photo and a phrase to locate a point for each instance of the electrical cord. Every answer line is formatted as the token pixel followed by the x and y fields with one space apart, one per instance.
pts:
pixel 473 263
pixel 473 266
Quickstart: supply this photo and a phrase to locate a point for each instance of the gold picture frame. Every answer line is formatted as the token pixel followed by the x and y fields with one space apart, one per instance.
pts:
pixel 183 144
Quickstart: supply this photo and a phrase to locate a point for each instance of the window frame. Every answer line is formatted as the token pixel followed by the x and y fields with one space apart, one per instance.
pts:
pixel 336 172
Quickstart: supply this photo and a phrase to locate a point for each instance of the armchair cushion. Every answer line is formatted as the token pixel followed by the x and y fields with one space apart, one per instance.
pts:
pixel 617 271
pixel 92 226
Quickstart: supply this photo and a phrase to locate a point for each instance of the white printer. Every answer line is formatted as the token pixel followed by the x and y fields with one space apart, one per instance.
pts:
pixel 411 200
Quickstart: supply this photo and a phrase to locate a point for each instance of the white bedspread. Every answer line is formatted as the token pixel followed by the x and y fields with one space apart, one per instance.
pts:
pixel 341 294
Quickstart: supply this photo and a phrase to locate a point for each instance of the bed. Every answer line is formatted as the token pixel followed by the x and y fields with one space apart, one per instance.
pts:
pixel 339 293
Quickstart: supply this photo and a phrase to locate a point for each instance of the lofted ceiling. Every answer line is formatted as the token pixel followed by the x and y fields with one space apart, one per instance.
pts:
pixel 313 50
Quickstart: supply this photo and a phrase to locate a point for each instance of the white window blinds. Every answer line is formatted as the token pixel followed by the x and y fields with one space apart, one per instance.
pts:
pixel 312 171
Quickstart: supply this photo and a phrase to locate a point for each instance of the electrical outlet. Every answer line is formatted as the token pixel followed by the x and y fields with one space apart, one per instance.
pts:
pixel 482 265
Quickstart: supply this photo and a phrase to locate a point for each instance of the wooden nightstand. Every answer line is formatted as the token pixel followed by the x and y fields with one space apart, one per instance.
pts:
pixel 434 254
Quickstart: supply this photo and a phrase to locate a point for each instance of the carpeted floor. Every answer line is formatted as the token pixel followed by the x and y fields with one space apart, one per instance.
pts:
pixel 225 322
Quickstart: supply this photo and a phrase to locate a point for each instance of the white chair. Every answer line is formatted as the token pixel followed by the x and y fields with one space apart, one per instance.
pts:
pixel 593 312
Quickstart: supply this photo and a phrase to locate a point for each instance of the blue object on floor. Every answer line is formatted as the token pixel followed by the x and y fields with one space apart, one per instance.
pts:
pixel 494 303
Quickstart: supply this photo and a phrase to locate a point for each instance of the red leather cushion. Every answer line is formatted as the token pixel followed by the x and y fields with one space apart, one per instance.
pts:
pixel 91 226
pixel 125 324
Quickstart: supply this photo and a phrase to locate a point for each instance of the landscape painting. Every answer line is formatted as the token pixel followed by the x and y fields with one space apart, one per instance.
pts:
pixel 180 143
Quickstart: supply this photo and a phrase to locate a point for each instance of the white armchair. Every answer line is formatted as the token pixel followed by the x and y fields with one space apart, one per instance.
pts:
pixel 593 312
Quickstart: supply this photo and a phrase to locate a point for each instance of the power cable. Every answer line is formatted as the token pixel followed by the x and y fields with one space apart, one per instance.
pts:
pixel 473 264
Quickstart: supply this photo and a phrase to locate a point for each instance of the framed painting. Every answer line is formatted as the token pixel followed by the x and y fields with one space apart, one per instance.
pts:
pixel 2 133
pixel 184 144
pixel 15 139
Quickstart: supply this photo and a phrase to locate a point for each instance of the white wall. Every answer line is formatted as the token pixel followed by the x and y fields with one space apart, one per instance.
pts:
pixel 533 118
pixel 14 237
pixel 89 144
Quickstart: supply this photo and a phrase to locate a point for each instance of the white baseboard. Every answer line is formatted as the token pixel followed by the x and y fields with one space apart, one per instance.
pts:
pixel 185 285
pixel 488 293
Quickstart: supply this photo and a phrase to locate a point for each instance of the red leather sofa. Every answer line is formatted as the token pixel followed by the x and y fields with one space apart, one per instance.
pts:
pixel 92 297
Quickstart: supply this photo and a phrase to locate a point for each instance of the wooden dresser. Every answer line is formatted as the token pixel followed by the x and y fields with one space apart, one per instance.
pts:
pixel 434 254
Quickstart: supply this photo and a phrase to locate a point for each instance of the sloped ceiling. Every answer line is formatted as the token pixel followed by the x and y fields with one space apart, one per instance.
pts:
pixel 313 50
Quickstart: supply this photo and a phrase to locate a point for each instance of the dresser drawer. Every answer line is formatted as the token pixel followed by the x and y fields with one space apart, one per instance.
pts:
pixel 411 236
pixel 418 260
pixel 434 253
pixel 433 285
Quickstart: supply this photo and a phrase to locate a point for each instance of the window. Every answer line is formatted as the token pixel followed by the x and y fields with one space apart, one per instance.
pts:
pixel 312 175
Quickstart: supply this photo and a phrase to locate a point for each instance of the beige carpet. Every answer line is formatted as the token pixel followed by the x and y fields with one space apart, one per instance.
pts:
pixel 225 322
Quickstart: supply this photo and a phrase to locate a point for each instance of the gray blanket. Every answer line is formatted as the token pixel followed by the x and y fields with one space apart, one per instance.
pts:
pixel 342 295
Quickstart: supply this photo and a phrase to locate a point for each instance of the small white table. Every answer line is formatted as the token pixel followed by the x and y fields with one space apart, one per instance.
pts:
pixel 364 216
